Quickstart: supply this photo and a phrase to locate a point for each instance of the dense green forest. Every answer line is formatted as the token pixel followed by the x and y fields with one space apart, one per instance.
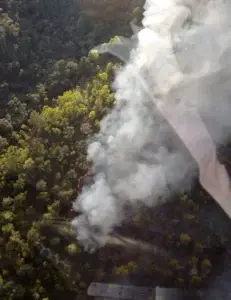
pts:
pixel 53 93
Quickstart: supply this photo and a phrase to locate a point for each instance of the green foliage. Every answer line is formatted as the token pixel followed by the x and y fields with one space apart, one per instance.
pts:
pixel 114 39
pixel 206 264
pixel 196 280
pixel 185 239
pixel 38 175
pixel 125 270
pixel 73 249
pixel 174 262
pixel 94 55
pixel 44 47
pixel 122 270
pixel 137 15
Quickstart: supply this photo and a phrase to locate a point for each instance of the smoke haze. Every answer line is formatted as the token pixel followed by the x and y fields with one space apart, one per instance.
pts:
pixel 180 58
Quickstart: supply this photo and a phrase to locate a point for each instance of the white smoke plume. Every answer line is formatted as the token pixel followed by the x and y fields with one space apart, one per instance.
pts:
pixel 176 74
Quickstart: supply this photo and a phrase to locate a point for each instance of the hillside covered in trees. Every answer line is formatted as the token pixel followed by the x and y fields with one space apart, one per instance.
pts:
pixel 53 93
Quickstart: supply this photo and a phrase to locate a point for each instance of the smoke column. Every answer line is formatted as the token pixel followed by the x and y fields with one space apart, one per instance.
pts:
pixel 176 78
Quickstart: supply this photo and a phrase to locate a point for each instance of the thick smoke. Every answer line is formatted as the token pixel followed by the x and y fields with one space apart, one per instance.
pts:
pixel 181 57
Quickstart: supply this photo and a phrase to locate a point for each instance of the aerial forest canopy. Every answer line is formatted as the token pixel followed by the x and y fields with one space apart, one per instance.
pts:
pixel 54 92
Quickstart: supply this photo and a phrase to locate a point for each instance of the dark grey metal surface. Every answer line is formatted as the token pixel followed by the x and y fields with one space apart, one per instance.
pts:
pixel 116 291
pixel 130 292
